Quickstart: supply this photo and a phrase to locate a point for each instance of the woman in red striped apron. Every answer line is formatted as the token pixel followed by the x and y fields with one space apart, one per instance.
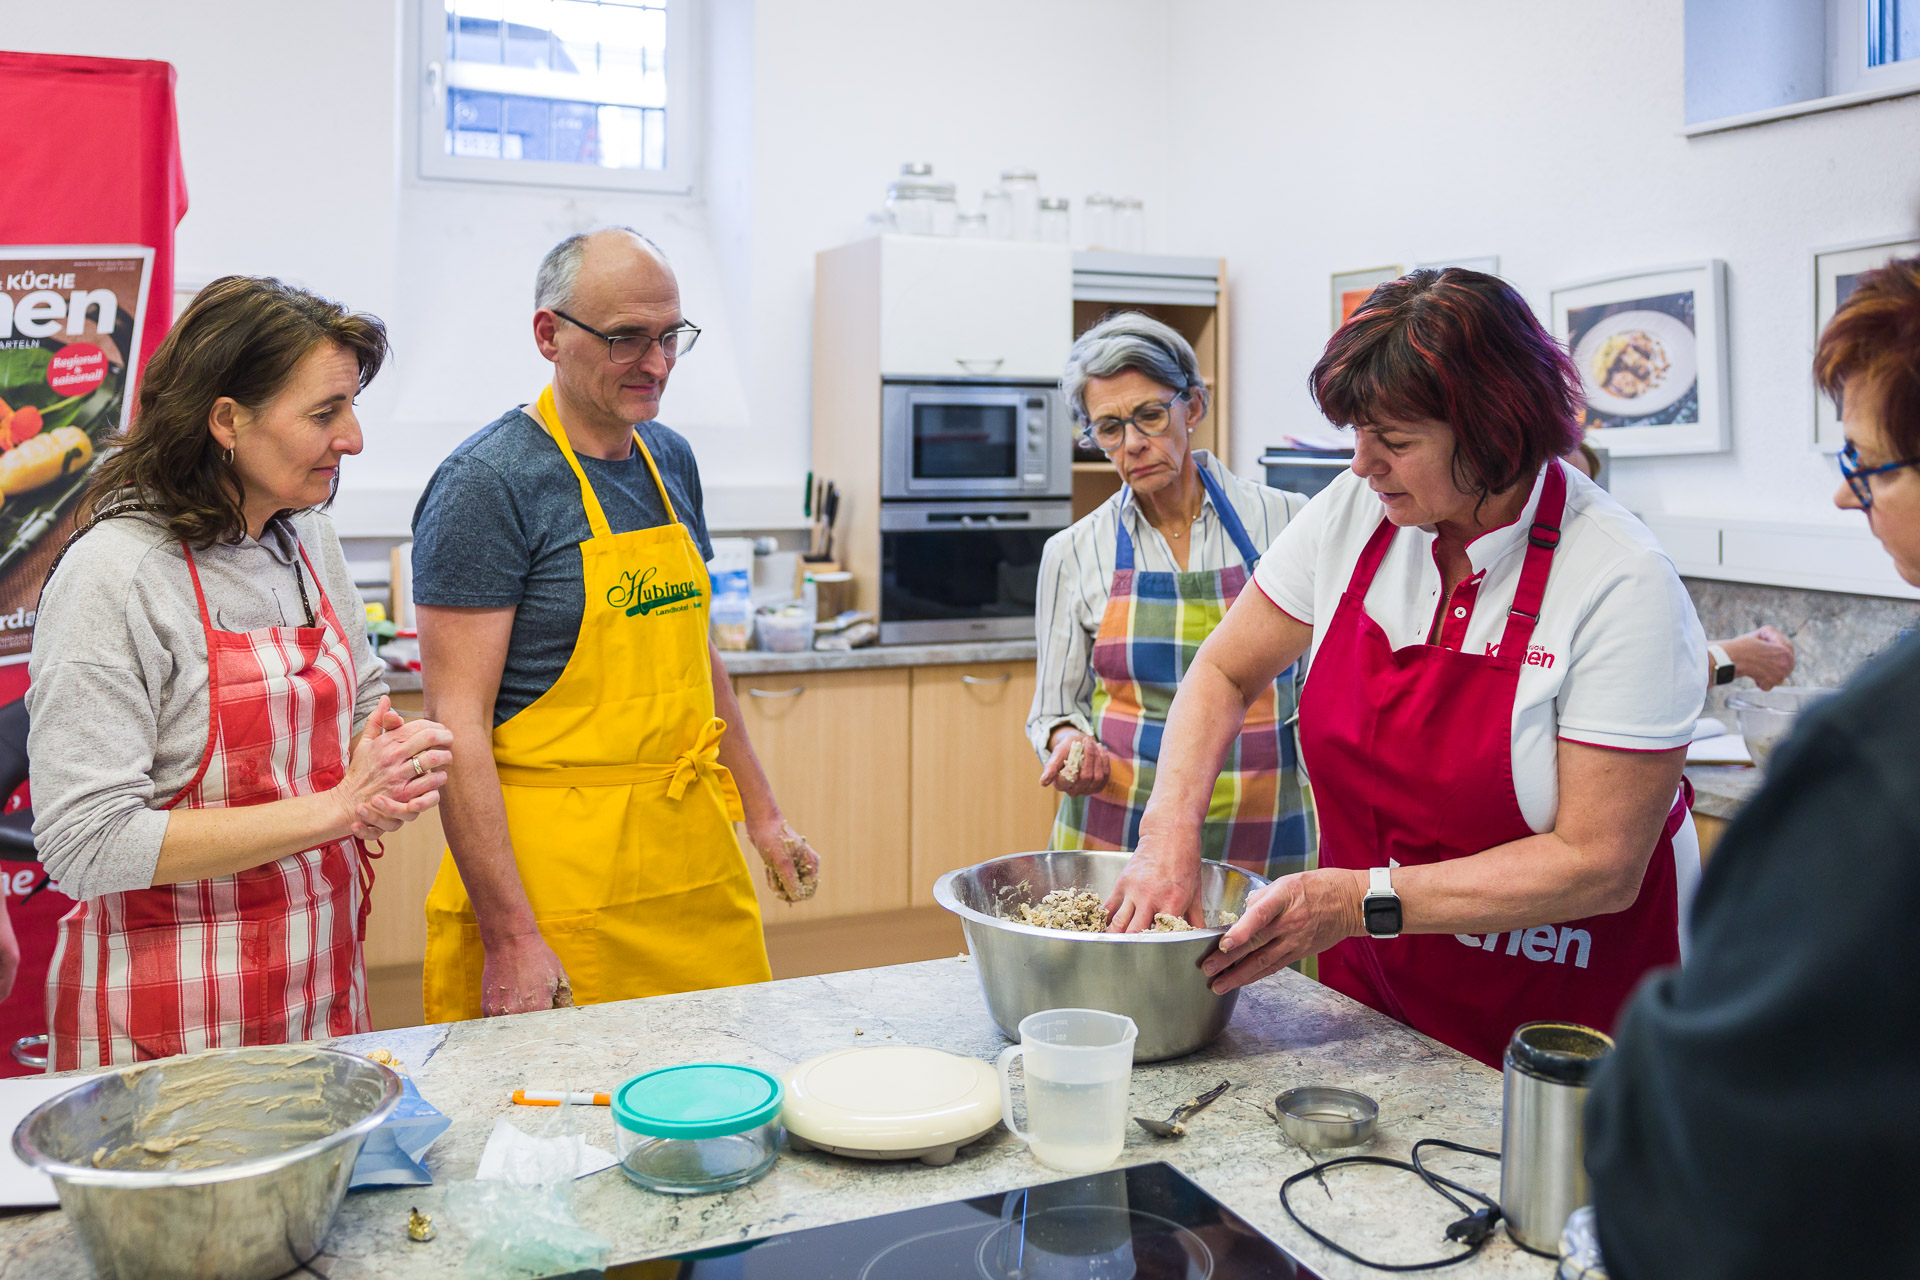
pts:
pixel 1128 594
pixel 190 663
pixel 1505 673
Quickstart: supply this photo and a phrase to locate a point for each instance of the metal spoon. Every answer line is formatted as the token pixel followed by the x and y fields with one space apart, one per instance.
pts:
pixel 1172 1127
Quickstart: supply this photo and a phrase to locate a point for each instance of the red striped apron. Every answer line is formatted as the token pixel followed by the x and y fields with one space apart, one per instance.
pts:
pixel 269 955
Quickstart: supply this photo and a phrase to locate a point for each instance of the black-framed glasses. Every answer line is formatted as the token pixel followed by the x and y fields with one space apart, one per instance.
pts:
pixel 626 348
pixel 1857 476
pixel 1150 420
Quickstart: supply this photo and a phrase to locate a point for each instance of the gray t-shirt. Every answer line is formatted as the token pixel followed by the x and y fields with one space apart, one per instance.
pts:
pixel 501 524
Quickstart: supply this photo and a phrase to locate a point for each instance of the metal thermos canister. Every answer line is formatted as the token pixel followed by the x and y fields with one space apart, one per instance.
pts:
pixel 1543 1172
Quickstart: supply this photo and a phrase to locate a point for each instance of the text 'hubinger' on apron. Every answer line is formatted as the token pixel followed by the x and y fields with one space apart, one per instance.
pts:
pixel 1411 753
pixel 620 813
pixel 1153 625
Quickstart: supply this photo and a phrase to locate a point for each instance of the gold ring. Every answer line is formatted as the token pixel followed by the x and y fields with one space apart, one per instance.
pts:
pixel 419 770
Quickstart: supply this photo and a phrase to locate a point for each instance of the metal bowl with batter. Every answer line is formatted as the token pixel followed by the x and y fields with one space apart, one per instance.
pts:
pixel 1153 978
pixel 229 1164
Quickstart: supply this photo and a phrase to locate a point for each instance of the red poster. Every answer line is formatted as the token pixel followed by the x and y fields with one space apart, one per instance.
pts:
pixel 93 188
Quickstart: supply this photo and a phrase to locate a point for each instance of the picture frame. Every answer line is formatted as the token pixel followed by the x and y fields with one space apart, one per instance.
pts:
pixel 1350 289
pixel 1651 350
pixel 1488 264
pixel 1835 270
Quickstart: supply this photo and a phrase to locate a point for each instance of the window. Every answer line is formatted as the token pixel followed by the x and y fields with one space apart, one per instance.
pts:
pixel 584 93
pixel 1751 61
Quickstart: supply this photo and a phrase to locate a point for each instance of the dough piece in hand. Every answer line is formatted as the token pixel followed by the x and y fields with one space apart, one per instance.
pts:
pixel 1076 756
pixel 806 869
pixel 1164 923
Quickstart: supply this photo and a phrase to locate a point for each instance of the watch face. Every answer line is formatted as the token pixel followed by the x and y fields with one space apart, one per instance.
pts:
pixel 1383 917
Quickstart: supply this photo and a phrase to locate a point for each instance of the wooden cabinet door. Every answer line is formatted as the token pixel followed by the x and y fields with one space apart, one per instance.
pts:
pixel 834 745
pixel 397 922
pixel 975 789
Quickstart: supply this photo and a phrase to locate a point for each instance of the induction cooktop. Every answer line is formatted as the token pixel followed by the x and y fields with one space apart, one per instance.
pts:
pixel 1144 1223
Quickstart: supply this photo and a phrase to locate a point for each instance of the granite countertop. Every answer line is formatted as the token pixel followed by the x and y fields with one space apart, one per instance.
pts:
pixel 1720 791
pixel 1287 1031
pixel 759 662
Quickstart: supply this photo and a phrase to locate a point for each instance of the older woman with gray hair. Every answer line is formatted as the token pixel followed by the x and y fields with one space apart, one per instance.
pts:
pixel 1131 589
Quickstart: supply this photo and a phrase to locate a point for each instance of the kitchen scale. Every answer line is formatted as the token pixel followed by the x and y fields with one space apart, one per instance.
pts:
pixel 1144 1223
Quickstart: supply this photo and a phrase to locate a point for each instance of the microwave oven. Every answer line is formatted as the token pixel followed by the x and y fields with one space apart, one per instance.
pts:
pixel 974 439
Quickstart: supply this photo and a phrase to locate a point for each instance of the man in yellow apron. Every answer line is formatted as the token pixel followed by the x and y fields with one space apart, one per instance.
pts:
pixel 591 853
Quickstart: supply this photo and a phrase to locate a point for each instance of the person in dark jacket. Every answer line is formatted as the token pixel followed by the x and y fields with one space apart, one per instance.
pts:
pixel 1761 1113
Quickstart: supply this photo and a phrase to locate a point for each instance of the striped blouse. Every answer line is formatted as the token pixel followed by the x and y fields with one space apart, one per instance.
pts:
pixel 1076 574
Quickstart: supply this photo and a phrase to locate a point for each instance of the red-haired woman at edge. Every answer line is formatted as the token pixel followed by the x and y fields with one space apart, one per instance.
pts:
pixel 1505 671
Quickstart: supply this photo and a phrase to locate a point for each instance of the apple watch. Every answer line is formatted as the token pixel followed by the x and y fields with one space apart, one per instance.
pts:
pixel 1720 664
pixel 1381 907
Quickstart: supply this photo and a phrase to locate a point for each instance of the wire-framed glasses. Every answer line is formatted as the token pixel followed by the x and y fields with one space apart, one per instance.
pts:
pixel 625 348
pixel 1857 476
pixel 1150 420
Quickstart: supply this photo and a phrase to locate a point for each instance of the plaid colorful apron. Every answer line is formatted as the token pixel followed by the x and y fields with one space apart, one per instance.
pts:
pixel 1154 623
pixel 272 954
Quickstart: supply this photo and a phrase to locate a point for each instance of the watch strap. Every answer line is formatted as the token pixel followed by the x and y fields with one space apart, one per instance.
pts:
pixel 1723 669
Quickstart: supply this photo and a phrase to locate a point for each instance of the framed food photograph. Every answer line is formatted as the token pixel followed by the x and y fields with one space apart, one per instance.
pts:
pixel 1836 271
pixel 1651 350
pixel 1350 289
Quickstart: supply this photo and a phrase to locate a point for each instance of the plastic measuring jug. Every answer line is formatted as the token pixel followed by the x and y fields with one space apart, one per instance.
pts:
pixel 1079 1063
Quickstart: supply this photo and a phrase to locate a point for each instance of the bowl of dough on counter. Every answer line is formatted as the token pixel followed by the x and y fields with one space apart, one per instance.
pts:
pixel 1035 927
pixel 228 1163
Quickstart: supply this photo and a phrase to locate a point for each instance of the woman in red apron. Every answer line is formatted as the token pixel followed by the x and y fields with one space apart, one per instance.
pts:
pixel 1505 672
pixel 189 660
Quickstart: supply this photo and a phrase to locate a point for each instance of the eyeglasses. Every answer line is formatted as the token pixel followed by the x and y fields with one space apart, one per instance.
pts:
pixel 1150 420
pixel 1857 476
pixel 626 348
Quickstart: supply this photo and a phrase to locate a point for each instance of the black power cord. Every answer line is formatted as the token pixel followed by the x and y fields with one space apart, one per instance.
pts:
pixel 1473 1230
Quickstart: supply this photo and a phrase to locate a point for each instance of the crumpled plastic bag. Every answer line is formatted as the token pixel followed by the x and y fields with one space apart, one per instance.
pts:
pixel 523 1223
pixel 519 1230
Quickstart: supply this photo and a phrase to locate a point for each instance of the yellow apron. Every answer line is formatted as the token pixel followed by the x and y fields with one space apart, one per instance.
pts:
pixel 619 811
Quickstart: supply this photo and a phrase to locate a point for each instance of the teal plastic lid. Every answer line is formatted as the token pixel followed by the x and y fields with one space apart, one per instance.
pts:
pixel 698 1100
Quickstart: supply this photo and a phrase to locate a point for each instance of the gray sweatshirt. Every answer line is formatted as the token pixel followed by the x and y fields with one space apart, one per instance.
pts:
pixel 118 704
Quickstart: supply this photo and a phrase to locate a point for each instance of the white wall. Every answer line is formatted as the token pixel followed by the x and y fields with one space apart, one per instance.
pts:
pixel 1295 138
pixel 1328 137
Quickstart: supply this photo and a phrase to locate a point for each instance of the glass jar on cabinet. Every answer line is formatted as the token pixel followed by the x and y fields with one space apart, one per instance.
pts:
pixel 1023 188
pixel 1056 225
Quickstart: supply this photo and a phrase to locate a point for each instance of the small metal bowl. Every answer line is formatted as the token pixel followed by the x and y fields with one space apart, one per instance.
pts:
pixel 1320 1117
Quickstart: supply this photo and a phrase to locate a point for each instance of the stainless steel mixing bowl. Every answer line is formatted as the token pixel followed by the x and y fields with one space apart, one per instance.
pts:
pixel 1153 978
pixel 288 1121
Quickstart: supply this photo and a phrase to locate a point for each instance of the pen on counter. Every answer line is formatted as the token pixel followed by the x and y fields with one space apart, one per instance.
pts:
pixel 554 1097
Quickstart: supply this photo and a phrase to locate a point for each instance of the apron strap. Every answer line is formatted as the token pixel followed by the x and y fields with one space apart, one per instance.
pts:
pixel 548 414
pixel 1229 519
pixel 1370 559
pixel 700 762
pixel 1542 540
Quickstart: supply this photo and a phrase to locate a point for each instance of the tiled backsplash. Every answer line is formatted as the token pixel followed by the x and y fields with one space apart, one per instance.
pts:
pixel 1832 633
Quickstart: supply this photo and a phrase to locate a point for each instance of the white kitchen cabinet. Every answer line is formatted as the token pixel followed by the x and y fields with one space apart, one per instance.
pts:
pixel 973 308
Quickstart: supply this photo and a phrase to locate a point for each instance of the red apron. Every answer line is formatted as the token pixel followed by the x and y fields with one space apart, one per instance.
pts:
pixel 269 955
pixel 1411 756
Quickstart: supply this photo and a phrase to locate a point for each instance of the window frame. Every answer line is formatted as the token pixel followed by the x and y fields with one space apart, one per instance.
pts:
pixel 1847 69
pixel 683 96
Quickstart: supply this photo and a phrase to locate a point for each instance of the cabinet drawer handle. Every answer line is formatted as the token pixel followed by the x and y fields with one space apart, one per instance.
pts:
pixel 794 692
pixel 1002 678
pixel 980 364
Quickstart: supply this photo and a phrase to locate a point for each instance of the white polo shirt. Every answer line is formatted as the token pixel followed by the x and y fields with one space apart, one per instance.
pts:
pixel 1617 659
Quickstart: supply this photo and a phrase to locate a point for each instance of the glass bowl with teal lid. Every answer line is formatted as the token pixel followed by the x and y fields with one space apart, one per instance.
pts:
pixel 706 1126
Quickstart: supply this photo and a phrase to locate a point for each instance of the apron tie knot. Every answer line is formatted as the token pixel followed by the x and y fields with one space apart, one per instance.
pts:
pixel 702 757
